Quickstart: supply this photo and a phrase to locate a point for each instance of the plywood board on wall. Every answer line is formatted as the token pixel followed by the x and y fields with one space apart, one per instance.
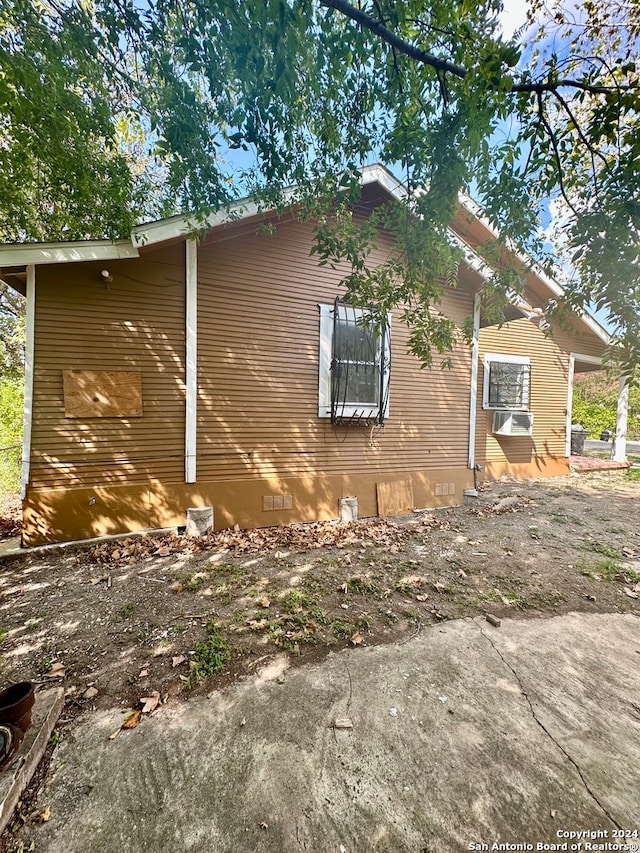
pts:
pixel 102 394
pixel 395 498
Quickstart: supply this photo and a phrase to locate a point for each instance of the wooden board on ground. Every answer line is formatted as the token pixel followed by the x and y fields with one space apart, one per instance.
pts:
pixel 395 498
pixel 101 394
pixel 15 777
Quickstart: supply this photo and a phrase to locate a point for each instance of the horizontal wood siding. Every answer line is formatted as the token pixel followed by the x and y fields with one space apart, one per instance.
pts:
pixel 258 352
pixel 133 323
pixel 548 397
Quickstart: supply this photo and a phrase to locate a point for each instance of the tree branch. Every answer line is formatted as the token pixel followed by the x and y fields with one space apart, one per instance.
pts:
pixel 593 151
pixel 440 64
pixel 564 83
pixel 556 153
pixel 392 39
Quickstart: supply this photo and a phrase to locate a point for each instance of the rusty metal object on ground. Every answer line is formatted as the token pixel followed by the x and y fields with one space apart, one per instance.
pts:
pixel 16 705
pixel 10 739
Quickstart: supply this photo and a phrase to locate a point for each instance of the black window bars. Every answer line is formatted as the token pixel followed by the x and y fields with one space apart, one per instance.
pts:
pixel 360 365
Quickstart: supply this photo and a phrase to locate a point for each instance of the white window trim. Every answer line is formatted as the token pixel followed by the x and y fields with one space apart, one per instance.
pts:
pixel 505 359
pixel 324 370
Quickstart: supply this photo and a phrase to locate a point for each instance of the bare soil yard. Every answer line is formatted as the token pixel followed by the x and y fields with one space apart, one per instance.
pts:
pixel 119 621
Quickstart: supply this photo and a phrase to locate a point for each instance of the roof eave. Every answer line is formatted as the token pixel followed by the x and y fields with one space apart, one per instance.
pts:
pixel 476 211
pixel 25 254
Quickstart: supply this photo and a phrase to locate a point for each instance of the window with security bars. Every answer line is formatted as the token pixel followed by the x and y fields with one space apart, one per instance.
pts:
pixel 507 381
pixel 354 366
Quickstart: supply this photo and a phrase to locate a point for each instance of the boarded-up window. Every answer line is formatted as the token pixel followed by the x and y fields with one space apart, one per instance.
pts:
pixel 98 394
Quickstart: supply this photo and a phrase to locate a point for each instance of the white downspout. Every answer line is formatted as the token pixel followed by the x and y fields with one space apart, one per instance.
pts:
pixel 473 396
pixel 191 373
pixel 28 379
pixel 620 446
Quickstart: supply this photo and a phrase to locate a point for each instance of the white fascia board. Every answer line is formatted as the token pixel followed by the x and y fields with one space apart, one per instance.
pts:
pixel 471 257
pixel 476 211
pixel 378 174
pixel 476 263
pixel 180 226
pixel 588 359
pixel 25 254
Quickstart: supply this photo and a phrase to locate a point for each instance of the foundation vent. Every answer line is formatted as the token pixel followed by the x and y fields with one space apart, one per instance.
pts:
pixel 271 503
pixel 445 489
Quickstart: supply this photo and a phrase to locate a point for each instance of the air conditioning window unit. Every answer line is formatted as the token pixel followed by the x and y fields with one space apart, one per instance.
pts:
pixel 506 422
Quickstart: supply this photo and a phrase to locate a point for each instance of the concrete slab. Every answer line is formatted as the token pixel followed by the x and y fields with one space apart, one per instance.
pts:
pixel 12 546
pixel 589 464
pixel 466 735
pixel 15 777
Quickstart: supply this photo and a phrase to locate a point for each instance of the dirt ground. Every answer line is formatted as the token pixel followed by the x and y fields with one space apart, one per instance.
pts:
pixel 145 617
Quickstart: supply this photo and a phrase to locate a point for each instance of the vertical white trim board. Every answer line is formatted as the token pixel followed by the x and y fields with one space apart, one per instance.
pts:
pixel 28 379
pixel 473 396
pixel 567 426
pixel 191 373
pixel 622 414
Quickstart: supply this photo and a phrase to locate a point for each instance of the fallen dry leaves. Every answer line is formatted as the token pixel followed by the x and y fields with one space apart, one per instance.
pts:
pixel 44 816
pixel 150 703
pixel 9 526
pixel 132 720
pixel 292 537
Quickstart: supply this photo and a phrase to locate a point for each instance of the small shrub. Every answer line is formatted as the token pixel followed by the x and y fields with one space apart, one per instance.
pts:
pixel 210 655
pixel 613 553
pixel 601 569
pixel 364 622
pixel 296 600
pixel 361 585
pixel 342 629
pixel 193 581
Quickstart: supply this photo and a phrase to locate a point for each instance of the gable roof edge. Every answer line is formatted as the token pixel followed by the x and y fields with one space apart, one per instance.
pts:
pixel 584 317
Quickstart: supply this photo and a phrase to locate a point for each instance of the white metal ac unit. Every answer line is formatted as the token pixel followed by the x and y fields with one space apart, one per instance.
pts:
pixel 512 423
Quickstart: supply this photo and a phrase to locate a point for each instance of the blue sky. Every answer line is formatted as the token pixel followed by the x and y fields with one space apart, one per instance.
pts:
pixel 513 17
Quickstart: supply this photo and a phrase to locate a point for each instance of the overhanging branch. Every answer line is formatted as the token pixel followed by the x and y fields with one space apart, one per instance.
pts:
pixel 440 64
pixel 379 29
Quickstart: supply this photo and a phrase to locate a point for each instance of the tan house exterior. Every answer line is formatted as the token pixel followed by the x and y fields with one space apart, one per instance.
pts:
pixel 164 374
pixel 552 355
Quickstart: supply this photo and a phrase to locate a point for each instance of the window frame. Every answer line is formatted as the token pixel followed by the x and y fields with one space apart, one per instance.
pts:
pixel 362 410
pixel 501 358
